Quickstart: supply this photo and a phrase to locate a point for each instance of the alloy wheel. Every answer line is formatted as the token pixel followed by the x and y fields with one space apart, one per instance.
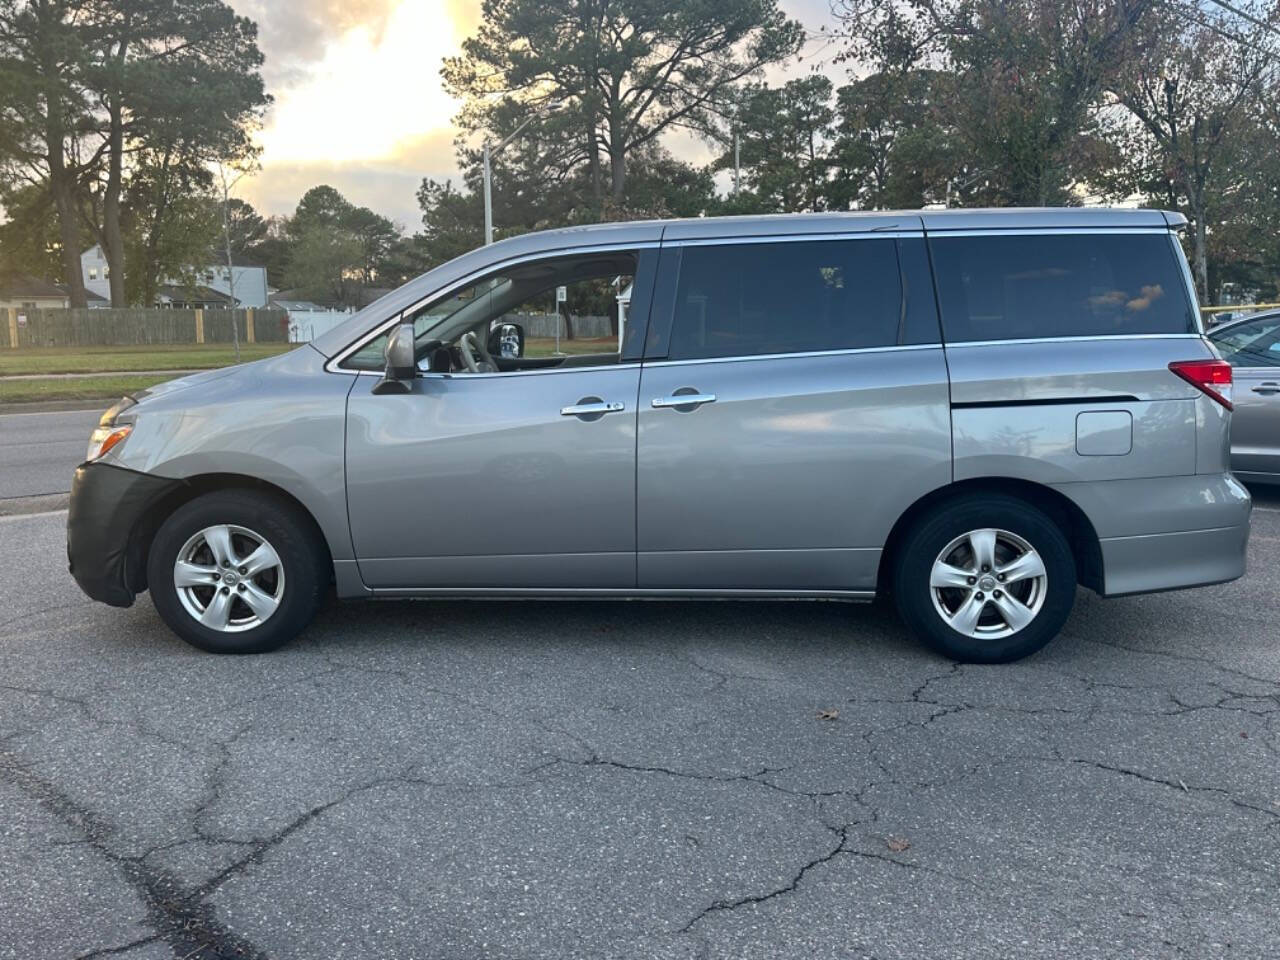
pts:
pixel 988 583
pixel 229 578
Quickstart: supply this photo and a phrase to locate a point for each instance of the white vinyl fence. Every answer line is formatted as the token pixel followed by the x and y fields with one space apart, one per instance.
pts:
pixel 306 325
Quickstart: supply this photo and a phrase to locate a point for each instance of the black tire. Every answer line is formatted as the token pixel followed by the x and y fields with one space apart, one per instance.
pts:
pixel 932 533
pixel 293 535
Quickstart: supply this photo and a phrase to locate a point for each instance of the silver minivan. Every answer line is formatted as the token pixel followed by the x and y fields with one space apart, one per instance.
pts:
pixel 971 411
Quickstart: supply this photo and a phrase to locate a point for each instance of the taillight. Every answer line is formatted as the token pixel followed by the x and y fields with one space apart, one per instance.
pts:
pixel 1211 376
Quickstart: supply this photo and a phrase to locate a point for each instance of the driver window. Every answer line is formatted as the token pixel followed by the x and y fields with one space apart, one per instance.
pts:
pixel 559 312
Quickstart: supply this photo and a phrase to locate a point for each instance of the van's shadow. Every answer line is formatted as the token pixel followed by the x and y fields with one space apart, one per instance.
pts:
pixel 568 624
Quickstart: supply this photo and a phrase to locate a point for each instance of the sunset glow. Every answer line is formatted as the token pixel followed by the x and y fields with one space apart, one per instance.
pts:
pixel 371 94
pixel 359 103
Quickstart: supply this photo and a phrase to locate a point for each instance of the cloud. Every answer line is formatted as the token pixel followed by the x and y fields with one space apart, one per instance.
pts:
pixel 359 103
pixel 387 185
pixel 293 34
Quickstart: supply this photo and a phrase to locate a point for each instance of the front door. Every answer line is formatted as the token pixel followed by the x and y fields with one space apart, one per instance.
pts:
pixel 1255 424
pixel 799 405
pixel 516 473
pixel 493 481
pixel 1253 349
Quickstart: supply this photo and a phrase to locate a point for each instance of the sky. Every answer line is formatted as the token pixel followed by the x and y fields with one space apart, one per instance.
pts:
pixel 359 104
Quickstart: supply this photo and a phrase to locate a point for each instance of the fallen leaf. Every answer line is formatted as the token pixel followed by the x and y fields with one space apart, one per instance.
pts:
pixel 829 714
pixel 897 845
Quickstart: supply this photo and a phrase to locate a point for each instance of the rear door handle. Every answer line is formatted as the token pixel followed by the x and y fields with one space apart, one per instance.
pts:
pixel 1267 388
pixel 595 407
pixel 689 400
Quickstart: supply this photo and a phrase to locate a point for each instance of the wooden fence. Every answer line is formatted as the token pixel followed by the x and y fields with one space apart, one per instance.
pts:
pixel 21 327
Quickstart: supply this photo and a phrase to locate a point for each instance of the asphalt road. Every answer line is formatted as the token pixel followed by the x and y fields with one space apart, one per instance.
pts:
pixel 39 451
pixel 553 780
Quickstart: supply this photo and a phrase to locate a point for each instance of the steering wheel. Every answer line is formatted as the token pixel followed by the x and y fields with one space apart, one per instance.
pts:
pixel 469 346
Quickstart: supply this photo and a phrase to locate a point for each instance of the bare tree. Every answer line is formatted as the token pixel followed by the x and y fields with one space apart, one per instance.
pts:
pixel 1192 80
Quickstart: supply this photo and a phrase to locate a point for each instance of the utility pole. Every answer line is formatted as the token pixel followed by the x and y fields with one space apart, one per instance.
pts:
pixel 226 237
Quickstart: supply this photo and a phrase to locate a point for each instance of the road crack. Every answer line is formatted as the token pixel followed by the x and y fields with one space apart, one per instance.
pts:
pixel 842 835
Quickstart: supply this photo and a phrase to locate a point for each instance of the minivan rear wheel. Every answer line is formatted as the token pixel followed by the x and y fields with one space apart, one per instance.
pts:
pixel 985 579
pixel 237 571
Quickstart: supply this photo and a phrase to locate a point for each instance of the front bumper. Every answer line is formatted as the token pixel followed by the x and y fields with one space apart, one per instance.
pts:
pixel 108 506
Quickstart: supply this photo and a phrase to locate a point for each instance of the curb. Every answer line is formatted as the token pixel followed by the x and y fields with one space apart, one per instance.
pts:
pixel 52 406
pixel 44 503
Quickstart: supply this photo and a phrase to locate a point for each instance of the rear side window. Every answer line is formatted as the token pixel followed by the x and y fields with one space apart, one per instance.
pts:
pixel 793 297
pixel 1066 285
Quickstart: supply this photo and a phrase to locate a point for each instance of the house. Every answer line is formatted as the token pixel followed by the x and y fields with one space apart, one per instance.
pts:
pixel 96 273
pixel 93 300
pixel 250 282
pixel 198 297
pixel 25 292
pixel 293 301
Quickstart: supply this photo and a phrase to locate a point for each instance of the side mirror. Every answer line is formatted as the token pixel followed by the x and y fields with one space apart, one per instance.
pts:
pixel 400 366
pixel 507 341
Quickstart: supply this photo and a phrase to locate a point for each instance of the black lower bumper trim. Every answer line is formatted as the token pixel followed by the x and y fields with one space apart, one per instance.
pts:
pixel 107 503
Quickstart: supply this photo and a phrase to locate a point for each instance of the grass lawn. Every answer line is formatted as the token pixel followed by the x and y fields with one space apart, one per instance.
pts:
pixel 181 356
pixel 106 389
pixel 546 346
pixel 122 360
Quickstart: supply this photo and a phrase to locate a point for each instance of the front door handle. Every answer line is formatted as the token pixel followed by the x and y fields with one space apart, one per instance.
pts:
pixel 1267 388
pixel 684 401
pixel 591 407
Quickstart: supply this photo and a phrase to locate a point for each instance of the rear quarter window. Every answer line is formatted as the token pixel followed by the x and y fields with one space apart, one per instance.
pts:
pixel 1023 286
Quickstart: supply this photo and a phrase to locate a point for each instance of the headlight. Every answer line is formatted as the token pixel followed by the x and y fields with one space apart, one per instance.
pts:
pixel 108 434
pixel 120 407
pixel 104 438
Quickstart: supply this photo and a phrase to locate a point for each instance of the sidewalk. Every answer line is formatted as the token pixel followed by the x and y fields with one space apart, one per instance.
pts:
pixel 103 373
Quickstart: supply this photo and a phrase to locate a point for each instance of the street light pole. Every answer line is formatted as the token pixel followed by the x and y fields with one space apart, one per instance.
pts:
pixel 487 164
pixel 488 198
pixel 737 170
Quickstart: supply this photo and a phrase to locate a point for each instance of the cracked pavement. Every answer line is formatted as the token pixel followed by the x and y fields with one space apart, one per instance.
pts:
pixel 630 780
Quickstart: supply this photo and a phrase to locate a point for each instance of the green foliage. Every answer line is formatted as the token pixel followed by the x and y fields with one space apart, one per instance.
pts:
pixel 323 265
pixel 1044 101
pixel 336 247
pixel 660 186
pixel 1199 125
pixel 170 222
pixel 173 247
pixel 625 71
pixel 46 112
pixel 895 144
pixel 784 134
pixel 29 240
pixel 452 221
pixel 116 110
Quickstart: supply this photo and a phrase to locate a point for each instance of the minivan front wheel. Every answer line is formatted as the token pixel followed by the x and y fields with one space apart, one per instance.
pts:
pixel 237 571
pixel 986 579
